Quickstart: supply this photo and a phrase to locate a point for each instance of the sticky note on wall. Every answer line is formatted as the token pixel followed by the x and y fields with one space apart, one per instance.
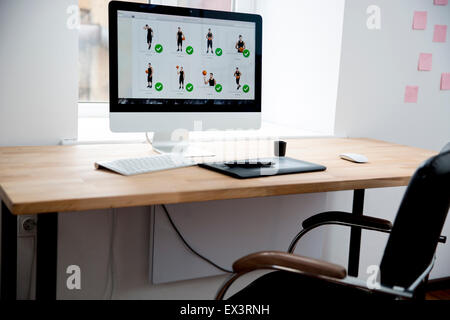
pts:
pixel 420 20
pixel 411 94
pixel 445 81
pixel 440 33
pixel 440 2
pixel 425 62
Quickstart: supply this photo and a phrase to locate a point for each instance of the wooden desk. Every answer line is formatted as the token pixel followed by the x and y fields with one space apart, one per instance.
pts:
pixel 48 180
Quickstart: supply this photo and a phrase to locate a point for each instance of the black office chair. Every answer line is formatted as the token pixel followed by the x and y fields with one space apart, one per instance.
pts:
pixel 408 257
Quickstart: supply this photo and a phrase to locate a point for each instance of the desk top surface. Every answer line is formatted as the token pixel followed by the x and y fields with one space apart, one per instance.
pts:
pixel 63 178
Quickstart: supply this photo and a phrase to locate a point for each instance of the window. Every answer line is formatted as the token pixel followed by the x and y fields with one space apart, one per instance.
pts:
pixel 93 46
pixel 223 5
pixel 301 44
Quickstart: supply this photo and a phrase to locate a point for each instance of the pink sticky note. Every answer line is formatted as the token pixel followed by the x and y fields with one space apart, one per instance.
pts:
pixel 420 20
pixel 445 81
pixel 411 94
pixel 440 2
pixel 425 61
pixel 440 33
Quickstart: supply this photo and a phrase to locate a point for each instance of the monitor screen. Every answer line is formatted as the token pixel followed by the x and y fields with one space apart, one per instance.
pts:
pixel 177 59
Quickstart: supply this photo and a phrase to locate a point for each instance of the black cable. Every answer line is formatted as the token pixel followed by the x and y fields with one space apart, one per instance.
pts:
pixel 188 246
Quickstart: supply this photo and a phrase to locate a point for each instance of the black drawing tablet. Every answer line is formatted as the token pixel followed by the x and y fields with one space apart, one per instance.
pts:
pixel 283 165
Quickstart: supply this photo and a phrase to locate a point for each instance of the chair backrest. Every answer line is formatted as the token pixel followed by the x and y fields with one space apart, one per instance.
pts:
pixel 418 224
pixel 446 148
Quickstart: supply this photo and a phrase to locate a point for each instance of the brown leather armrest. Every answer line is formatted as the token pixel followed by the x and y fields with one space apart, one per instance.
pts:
pixel 278 260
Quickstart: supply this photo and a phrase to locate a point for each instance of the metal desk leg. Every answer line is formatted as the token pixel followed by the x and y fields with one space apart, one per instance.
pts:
pixel 46 256
pixel 355 234
pixel 9 255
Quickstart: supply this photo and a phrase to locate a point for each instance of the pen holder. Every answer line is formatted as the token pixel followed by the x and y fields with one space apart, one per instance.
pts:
pixel 280 148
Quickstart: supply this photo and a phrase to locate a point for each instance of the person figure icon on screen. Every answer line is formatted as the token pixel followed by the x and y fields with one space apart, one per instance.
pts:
pixel 181 77
pixel 180 39
pixel 237 75
pixel 149 36
pixel 209 41
pixel 211 81
pixel 240 45
pixel 149 73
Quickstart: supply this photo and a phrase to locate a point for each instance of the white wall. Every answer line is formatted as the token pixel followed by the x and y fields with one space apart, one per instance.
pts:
pixel 39 72
pixel 376 66
pixel 221 230
pixel 227 230
pixel 38 85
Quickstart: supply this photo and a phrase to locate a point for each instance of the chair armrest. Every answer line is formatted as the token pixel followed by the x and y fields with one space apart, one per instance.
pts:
pixel 340 218
pixel 277 260
pixel 348 219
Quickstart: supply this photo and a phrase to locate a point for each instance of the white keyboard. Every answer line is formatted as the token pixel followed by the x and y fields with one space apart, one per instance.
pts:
pixel 128 167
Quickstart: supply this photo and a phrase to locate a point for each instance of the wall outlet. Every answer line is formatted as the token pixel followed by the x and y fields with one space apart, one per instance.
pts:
pixel 27 226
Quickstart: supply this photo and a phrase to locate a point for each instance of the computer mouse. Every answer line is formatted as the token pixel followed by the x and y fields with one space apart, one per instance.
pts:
pixel 354 157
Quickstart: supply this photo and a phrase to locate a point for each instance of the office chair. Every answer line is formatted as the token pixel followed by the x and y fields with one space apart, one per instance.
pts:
pixel 407 261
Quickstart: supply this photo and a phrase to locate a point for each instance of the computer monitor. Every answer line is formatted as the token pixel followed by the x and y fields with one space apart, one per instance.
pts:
pixel 176 69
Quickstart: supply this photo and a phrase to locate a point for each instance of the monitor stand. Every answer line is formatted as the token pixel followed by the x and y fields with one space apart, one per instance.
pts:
pixel 174 142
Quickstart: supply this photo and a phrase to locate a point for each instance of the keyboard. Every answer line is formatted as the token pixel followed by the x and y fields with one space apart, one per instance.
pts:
pixel 133 166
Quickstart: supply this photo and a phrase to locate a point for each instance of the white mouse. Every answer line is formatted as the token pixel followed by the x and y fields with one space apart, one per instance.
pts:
pixel 354 157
